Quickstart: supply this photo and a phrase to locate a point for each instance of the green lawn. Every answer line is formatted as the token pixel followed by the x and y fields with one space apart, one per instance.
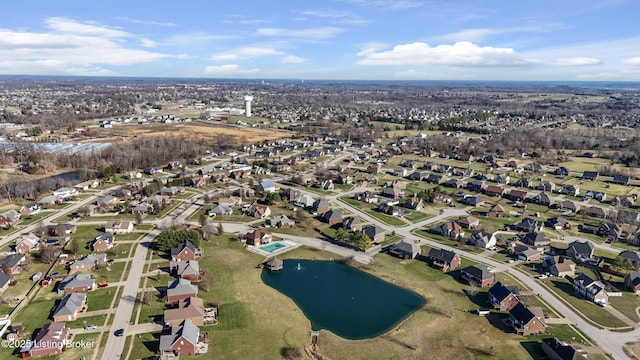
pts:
pixel 100 299
pixel 416 216
pixel 82 322
pixel 446 241
pixel 367 208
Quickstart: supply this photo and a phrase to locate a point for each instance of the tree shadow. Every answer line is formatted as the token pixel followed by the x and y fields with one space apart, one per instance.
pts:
pixel 534 349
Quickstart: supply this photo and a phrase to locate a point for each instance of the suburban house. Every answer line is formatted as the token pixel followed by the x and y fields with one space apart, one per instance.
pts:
pixel 191 308
pixel 180 289
pixel 443 259
pixel 119 226
pixel 220 210
pixel 170 190
pixel 517 195
pixel 88 262
pixel 373 169
pixel 76 283
pixel 375 233
pixel 527 320
pixel 440 198
pixel 189 269
pixel 568 189
pixel 568 205
pixel 450 229
pixel 69 307
pixel 493 190
pixel 30 209
pixel 557 350
pixel 51 340
pixel 621 179
pixel 542 199
pixel 503 298
pixel 525 253
pixel 107 201
pixel 12 263
pixel 393 193
pixel 405 250
pixel 609 230
pixel 183 340
pixel 333 216
pixel 414 203
pixel 477 275
pixel 366 196
pixel 267 186
pixel 49 200
pixel 304 201
pixel 104 242
pixel 580 250
pixel 590 175
pixel 9 218
pixel 258 237
pixel 529 225
pixel 536 239
pixel 630 255
pixel 469 222
pixel 596 211
pixel 558 223
pixel 281 221
pixel 590 289
pixel 352 224
pixel 496 211
pixel 259 211
pixel 623 200
pixel 185 251
pixel 632 281
pixel 560 266
pixel 65 192
pixel 482 239
pixel 26 243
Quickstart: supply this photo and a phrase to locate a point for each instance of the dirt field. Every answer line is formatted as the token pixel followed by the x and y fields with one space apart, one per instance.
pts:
pixel 191 129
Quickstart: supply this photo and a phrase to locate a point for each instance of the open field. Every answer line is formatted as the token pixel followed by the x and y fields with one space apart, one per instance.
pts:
pixel 194 129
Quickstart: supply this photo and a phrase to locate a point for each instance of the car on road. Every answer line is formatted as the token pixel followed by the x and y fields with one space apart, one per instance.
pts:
pixel 118 332
pixel 91 327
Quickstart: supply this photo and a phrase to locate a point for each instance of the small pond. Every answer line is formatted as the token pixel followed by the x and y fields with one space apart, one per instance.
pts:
pixel 346 301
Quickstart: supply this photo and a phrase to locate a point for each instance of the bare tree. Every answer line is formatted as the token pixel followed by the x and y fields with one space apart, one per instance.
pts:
pixel 49 254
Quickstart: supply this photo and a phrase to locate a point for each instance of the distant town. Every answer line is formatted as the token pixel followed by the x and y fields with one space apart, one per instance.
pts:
pixel 144 216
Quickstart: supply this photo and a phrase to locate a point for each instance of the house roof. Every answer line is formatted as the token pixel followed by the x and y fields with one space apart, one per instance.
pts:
pixel 442 255
pixel 90 260
pixel 522 313
pixel 562 351
pixel 536 238
pixel 372 231
pixel 77 280
pixel 584 248
pixel 11 260
pixel 333 214
pixel 187 308
pixel 500 292
pixel 631 255
pixel 478 271
pixel 185 245
pixel 50 336
pixel 188 267
pixel 69 304
pixel 468 220
pixel 4 279
pixel 181 287
pixel 406 246
pixel 187 331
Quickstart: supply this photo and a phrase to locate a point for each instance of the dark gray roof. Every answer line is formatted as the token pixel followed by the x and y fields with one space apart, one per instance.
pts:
pixel 11 260
pixel 631 255
pixel 478 271
pixel 187 244
pixel 563 351
pixel 77 280
pixel 521 313
pixel 442 255
pixel 4 279
pixel 584 248
pixel 500 292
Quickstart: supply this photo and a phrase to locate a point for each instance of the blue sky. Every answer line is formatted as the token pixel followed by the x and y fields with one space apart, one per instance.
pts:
pixel 330 39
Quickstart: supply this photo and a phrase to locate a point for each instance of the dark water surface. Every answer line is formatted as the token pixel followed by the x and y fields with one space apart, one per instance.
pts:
pixel 346 301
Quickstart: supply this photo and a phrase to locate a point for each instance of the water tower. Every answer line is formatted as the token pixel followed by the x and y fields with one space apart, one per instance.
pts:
pixel 247 105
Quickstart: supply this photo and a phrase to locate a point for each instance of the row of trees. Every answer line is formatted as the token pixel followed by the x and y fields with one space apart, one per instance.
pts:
pixel 356 239
pixel 172 238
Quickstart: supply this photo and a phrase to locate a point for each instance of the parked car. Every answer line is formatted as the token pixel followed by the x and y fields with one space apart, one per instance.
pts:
pixel 543 276
pixel 118 332
pixel 91 327
pixel 103 284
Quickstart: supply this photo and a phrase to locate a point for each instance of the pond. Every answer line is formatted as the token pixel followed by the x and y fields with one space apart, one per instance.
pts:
pixel 344 300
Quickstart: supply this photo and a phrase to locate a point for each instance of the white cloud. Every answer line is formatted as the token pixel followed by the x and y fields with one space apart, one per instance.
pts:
pixel 342 17
pixel 635 61
pixel 148 43
pixel 246 53
pixel 476 34
pixel 229 70
pixel 157 23
pixel 292 59
pixel 576 61
pixel 70 48
pixel 462 54
pixel 312 33
pixel 387 4
pixel 73 27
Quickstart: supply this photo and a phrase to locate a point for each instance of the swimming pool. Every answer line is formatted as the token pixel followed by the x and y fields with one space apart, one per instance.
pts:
pixel 272 247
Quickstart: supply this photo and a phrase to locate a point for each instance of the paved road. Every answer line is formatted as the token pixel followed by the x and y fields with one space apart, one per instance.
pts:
pixel 115 345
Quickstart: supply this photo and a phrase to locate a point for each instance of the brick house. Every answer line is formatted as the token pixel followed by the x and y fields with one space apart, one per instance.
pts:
pixel 191 308
pixel 443 259
pixel 50 341
pixel 503 298
pixel 477 275
pixel 69 307
pixel 527 320
pixel 180 289
pixel 183 252
pixel 76 283
pixel 26 243
pixel 183 340
pixel 189 269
